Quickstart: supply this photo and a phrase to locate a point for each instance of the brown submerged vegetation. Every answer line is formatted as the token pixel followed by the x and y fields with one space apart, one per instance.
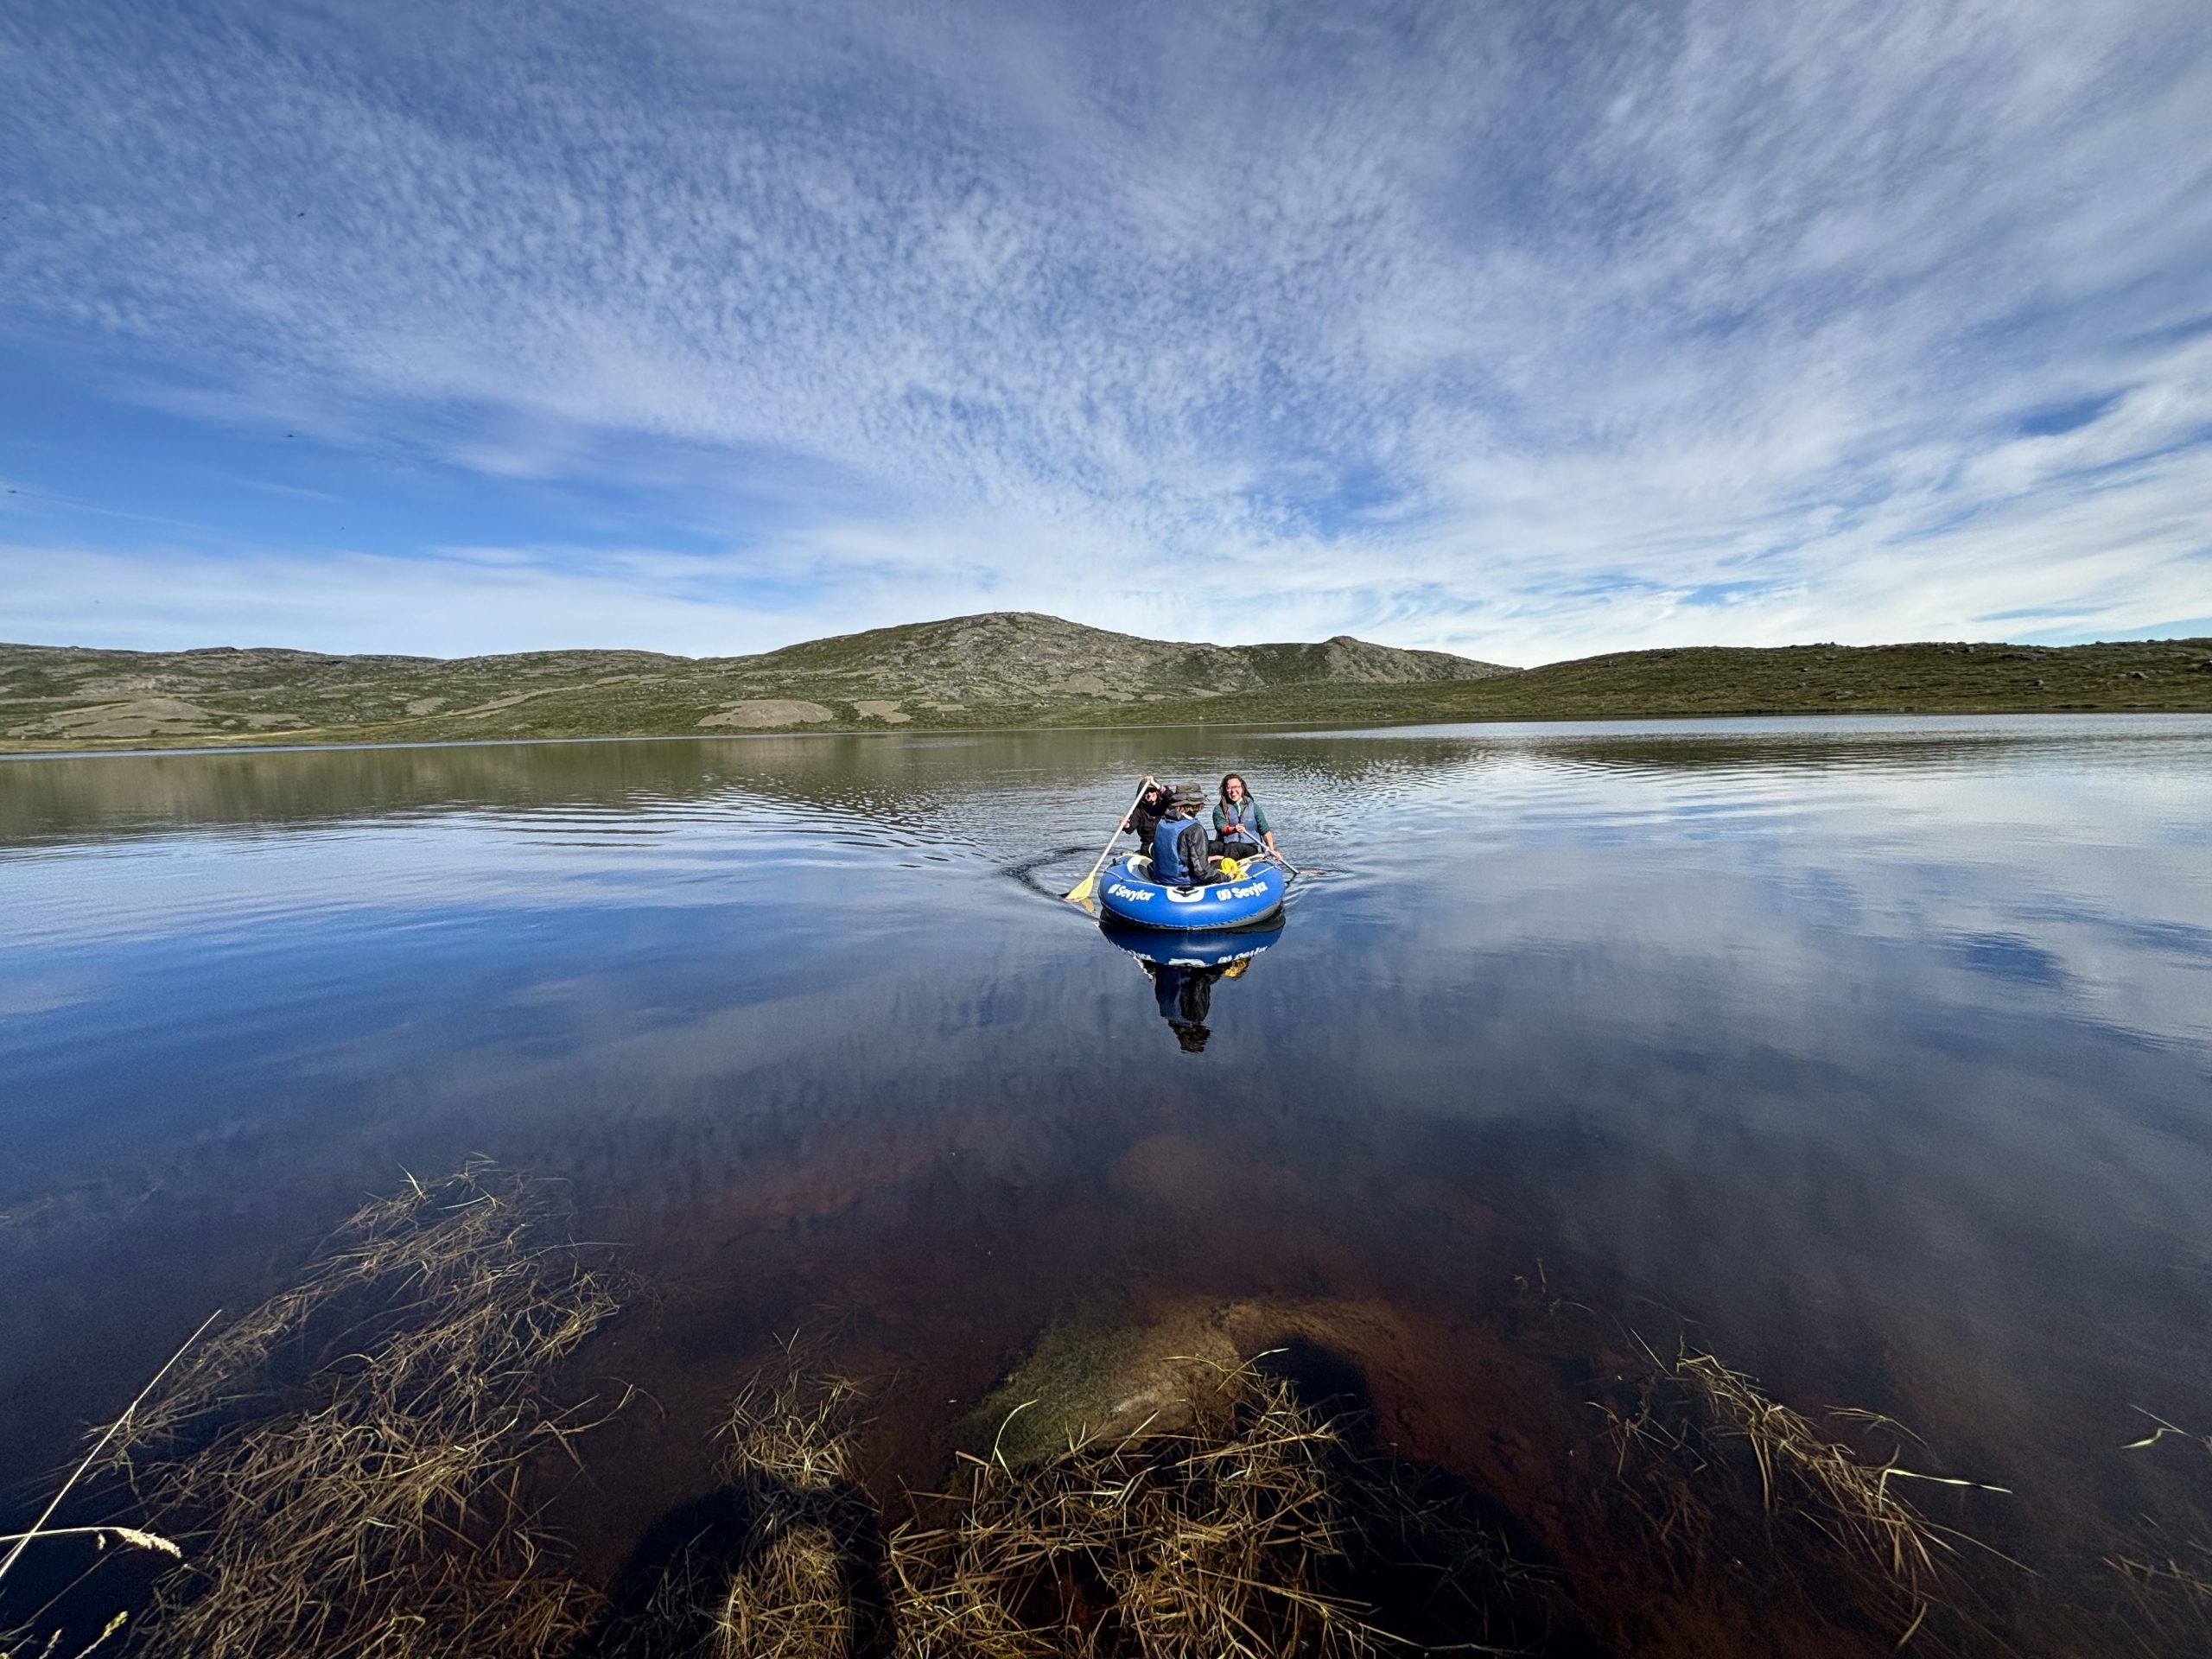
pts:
pixel 1692 1416
pixel 1237 1535
pixel 784 1565
pixel 2169 1586
pixel 2167 1570
pixel 344 1468
pixel 360 1468
pixel 1213 1540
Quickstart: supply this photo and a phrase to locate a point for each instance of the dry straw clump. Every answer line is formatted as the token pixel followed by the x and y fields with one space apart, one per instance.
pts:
pixel 1227 1536
pixel 346 1465
pixel 790 1600
pixel 2167 1574
pixel 1693 1409
pixel 807 1586
pixel 2169 1584
pixel 1207 1542
pixel 783 1562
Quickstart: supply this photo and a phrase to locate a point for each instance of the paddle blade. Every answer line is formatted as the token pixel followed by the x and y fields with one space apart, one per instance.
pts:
pixel 1080 893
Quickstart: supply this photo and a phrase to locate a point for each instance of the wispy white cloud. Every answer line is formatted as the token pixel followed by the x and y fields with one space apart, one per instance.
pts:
pixel 460 604
pixel 1528 330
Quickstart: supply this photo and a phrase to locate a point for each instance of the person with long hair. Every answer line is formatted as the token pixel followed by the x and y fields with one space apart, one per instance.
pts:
pixel 1145 816
pixel 1239 823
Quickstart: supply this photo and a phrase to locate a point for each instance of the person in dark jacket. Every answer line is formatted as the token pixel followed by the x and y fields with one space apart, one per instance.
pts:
pixel 1144 817
pixel 1179 843
pixel 1186 997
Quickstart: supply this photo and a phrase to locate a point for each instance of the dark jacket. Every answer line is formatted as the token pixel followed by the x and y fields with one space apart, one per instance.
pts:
pixel 1145 817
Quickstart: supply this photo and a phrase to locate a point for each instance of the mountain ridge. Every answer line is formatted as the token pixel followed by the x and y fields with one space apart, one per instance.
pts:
pixel 989 668
pixel 1000 670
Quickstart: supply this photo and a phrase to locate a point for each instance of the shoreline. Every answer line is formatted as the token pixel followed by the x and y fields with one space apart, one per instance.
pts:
pixel 1320 727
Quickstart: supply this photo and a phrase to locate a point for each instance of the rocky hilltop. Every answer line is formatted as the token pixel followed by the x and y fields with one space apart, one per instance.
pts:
pixel 1004 668
pixel 1016 655
pixel 1021 670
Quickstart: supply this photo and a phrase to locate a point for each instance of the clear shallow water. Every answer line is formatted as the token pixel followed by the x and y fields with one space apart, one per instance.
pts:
pixel 1877 1051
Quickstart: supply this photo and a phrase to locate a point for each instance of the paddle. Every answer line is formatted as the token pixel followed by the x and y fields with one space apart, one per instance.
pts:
pixel 1082 891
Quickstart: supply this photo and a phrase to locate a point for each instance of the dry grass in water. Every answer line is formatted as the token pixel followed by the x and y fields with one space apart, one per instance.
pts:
pixel 1208 1542
pixel 799 1432
pixel 1696 1407
pixel 793 1452
pixel 2169 1577
pixel 23 1641
pixel 790 1600
pixel 348 1462
pixel 2169 1583
pixel 785 1562
pixel 1221 1539
pixel 22 1644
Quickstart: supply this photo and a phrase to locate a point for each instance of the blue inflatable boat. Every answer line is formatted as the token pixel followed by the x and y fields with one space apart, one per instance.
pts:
pixel 1127 892
pixel 1220 947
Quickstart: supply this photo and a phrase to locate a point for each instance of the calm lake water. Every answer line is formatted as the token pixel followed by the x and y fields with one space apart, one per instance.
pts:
pixel 1870 1054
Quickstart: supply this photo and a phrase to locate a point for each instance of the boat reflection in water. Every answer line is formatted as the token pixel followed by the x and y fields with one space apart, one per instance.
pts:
pixel 1184 968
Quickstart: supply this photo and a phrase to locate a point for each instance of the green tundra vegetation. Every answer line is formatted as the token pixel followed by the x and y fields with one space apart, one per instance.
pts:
pixel 1020 669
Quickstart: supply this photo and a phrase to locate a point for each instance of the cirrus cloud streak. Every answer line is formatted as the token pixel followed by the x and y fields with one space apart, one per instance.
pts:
pixel 1524 331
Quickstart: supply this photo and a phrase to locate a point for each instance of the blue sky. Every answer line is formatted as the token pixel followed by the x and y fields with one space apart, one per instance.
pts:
pixel 1524 330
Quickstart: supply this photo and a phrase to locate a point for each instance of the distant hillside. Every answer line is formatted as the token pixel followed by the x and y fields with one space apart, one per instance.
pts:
pixel 1017 669
pixel 1018 654
pixel 2128 676
pixel 1005 668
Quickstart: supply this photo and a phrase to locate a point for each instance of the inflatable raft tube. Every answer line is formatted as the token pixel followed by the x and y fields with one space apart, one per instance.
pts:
pixel 1217 949
pixel 1127 894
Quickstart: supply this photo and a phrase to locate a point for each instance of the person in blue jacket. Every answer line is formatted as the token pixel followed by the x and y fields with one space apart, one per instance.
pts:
pixel 1186 997
pixel 1179 844
pixel 1239 825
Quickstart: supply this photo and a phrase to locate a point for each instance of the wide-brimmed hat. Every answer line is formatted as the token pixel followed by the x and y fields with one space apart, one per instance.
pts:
pixel 1189 795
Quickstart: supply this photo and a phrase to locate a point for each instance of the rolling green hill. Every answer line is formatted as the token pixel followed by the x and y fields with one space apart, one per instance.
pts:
pixel 2129 676
pixel 1018 669
pixel 996 669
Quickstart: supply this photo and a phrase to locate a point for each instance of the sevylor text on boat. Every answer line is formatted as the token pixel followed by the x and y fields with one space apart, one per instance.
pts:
pixel 1250 897
pixel 1223 947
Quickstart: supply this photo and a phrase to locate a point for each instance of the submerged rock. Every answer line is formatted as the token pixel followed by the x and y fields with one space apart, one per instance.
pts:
pixel 1096 1375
